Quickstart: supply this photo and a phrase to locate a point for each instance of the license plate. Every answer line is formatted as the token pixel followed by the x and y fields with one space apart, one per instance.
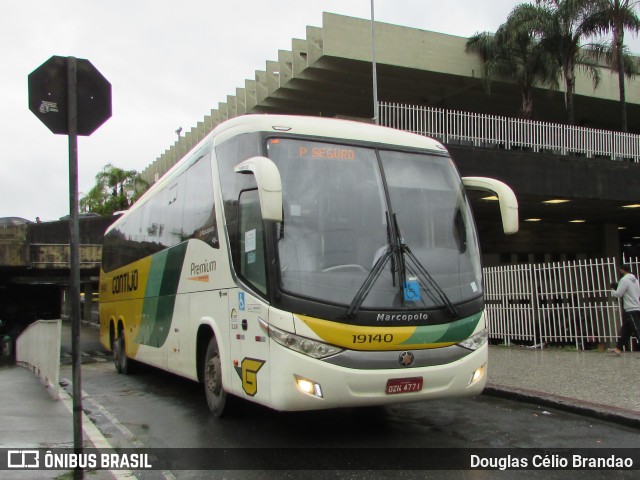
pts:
pixel 404 385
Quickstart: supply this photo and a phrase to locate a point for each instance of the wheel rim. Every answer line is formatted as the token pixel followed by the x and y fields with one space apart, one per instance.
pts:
pixel 115 350
pixel 212 377
pixel 119 355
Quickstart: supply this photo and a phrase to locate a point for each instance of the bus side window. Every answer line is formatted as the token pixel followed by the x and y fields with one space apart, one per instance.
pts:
pixel 199 218
pixel 251 237
pixel 228 155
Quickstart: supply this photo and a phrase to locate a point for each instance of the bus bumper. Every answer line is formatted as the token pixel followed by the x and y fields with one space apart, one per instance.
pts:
pixel 332 386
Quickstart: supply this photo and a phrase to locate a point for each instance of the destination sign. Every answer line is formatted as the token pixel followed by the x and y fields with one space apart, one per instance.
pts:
pixel 330 152
pixel 314 150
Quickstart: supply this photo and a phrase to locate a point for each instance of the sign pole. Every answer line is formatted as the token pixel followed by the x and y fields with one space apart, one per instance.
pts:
pixel 71 97
pixel 72 91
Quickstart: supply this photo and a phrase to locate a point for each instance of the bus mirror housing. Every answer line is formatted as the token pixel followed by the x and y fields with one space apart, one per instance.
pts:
pixel 506 198
pixel 269 185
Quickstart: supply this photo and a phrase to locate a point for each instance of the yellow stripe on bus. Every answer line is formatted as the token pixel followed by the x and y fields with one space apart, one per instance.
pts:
pixel 357 337
pixel 122 299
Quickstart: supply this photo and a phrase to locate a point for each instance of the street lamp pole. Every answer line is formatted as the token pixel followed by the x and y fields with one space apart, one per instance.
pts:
pixel 376 110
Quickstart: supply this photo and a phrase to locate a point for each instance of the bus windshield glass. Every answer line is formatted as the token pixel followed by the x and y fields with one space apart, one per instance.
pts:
pixel 348 208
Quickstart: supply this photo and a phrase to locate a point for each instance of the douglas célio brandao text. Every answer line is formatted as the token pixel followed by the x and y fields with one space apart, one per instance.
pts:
pixel 550 461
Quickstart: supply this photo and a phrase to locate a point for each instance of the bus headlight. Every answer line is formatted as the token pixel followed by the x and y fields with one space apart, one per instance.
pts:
pixel 474 342
pixel 306 346
pixel 308 386
pixel 478 374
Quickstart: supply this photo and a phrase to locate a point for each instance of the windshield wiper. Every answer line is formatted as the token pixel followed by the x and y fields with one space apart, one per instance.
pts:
pixel 379 265
pixel 395 253
pixel 421 274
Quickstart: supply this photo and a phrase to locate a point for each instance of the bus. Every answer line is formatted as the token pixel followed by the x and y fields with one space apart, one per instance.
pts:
pixel 304 263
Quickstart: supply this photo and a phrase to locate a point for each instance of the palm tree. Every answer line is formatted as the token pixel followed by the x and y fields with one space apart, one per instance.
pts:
pixel 116 189
pixel 614 17
pixel 515 53
pixel 561 25
pixel 125 185
pixel 94 200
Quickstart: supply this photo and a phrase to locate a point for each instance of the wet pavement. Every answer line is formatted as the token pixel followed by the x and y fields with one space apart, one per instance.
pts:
pixel 589 382
pixel 592 383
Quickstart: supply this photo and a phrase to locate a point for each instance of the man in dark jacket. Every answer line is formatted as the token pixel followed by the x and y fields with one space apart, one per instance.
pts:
pixel 628 289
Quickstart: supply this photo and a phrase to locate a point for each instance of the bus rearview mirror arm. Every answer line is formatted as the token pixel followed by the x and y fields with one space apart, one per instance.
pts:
pixel 269 185
pixel 506 198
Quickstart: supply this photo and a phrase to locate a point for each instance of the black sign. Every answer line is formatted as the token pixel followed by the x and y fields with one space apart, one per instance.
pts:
pixel 48 96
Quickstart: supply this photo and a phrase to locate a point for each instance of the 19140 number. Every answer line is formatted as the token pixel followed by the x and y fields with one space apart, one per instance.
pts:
pixel 369 338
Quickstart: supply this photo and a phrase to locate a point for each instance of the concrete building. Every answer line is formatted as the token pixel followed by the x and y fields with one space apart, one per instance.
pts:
pixel 329 73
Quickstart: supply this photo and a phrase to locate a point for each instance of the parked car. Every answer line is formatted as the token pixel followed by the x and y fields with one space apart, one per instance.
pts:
pixel 81 215
pixel 10 221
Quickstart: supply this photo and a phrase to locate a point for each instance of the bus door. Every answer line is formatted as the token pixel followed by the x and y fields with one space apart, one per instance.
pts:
pixel 249 341
pixel 249 346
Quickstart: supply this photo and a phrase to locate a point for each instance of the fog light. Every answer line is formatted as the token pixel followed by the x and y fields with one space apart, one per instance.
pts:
pixel 308 386
pixel 477 375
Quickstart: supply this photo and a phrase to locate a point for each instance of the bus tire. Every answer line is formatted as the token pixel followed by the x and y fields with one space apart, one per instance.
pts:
pixel 217 398
pixel 123 364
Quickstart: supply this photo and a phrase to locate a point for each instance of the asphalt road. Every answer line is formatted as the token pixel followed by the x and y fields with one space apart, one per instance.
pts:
pixel 154 409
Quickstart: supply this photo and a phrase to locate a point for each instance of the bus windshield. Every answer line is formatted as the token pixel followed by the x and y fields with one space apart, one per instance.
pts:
pixel 348 208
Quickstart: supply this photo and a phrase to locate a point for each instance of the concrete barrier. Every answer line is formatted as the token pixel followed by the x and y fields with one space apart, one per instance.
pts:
pixel 38 348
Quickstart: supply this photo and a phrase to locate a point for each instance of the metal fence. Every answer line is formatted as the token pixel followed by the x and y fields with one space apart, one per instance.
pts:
pixel 554 303
pixel 453 126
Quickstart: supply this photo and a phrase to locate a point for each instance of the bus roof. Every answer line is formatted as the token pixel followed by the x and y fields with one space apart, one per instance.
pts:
pixel 323 127
pixel 301 125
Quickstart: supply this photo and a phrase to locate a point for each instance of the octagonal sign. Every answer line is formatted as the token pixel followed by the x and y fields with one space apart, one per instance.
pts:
pixel 48 96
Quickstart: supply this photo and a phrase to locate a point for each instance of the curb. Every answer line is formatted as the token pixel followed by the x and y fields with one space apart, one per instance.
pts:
pixel 628 418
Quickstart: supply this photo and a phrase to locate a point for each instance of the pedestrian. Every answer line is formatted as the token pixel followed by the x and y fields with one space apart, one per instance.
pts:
pixel 628 289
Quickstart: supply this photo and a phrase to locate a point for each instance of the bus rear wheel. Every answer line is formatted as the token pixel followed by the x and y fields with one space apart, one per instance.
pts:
pixel 120 359
pixel 216 396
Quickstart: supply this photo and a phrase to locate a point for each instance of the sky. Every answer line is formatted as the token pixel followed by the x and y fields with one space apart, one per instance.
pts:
pixel 169 63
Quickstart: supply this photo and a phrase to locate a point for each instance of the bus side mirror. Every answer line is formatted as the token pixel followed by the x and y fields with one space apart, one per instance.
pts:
pixel 506 198
pixel 269 185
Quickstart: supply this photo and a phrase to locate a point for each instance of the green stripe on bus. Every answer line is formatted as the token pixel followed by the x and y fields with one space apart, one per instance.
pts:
pixel 160 295
pixel 444 333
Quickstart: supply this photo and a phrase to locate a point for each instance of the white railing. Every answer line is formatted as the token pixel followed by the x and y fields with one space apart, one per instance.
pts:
pixel 38 347
pixel 554 303
pixel 453 126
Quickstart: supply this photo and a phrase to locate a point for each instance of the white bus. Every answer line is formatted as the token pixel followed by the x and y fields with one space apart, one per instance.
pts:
pixel 304 263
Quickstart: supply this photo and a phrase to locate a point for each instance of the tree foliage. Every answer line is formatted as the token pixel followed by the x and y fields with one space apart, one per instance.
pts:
pixel 613 17
pixel 562 26
pixel 548 40
pixel 115 189
pixel 515 53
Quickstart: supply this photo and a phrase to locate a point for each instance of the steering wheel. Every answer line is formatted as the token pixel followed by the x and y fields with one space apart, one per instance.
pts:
pixel 350 266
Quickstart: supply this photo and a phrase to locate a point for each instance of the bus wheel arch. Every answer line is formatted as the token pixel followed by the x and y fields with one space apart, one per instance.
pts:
pixel 202 343
pixel 112 335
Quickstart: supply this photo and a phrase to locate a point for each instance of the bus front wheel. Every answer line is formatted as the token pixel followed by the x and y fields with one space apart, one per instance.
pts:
pixel 216 396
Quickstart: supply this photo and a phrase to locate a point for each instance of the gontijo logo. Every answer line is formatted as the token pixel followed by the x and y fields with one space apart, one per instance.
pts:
pixel 125 282
pixel 248 373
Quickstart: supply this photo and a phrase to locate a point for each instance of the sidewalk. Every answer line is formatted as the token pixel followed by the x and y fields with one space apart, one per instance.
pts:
pixel 589 382
pixel 31 416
